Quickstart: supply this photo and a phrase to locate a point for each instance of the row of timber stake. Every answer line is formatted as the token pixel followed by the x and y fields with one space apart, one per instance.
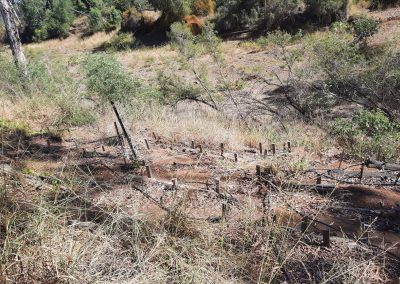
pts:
pixel 318 186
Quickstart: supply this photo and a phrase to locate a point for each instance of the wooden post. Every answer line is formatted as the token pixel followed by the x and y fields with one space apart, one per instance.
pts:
pixel 104 149
pixel 326 238
pixel 193 144
pixel 305 224
pixel 127 137
pixel 222 149
pixel 48 143
pixel 148 170
pixel 273 149
pixel 265 153
pixel 155 136
pixel 319 179
pixel 236 157
pixel 260 148
pixel 289 146
pixel 224 210
pixel 201 148
pixel 121 140
pixel 83 152
pixel 147 144
pixel 217 185
pixel 258 172
pixel 174 184
pixel 362 172
pixel 341 159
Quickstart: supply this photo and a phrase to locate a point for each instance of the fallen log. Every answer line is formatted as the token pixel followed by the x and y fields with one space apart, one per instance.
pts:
pixel 371 163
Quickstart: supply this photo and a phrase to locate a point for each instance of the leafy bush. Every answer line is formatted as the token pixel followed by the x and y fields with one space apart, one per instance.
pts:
pixel 95 20
pixel 368 133
pixel 43 20
pixel 324 7
pixel 122 41
pixel 364 28
pixel 100 19
pixel 234 15
pixel 172 10
pixel 107 79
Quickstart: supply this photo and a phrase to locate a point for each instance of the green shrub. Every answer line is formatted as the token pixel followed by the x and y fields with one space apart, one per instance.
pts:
pixel 232 15
pixel 340 27
pixel 172 10
pixel 368 133
pixel 364 28
pixel 106 78
pixel 122 41
pixel 95 20
pixel 327 11
pixel 45 20
pixel 107 18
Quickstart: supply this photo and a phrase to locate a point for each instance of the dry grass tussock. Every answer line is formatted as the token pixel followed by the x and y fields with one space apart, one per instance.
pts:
pixel 73 43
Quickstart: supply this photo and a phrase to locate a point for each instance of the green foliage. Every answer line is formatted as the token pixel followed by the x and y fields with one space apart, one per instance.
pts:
pixel 172 10
pixel 323 8
pixel 46 19
pixel 369 133
pixel 232 15
pixel 174 89
pixel 340 27
pixel 107 79
pixel 365 27
pixel 107 18
pixel 336 55
pixel 183 40
pixel 95 20
pixel 119 42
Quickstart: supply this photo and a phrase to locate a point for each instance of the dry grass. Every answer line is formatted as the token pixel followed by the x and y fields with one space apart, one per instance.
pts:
pixel 49 236
pixel 73 43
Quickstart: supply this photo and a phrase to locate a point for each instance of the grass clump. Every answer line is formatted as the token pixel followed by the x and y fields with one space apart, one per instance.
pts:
pixel 120 42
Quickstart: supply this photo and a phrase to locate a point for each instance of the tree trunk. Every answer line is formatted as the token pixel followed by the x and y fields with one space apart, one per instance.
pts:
pixel 10 22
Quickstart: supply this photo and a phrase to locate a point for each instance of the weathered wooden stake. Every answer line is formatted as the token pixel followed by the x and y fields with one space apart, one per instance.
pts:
pixel 305 224
pixel 260 148
pixel 326 238
pixel 222 149
pixel 104 149
pixel 48 143
pixel 127 137
pixel 201 148
pixel 362 171
pixel 148 170
pixel 265 153
pixel 217 185
pixel 319 179
pixel 289 146
pixel 83 152
pixel 147 144
pixel 273 149
pixel 258 171
pixel 341 159
pixel 224 210
pixel 155 136
pixel 236 157
pixel 121 140
pixel 193 144
pixel 174 183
